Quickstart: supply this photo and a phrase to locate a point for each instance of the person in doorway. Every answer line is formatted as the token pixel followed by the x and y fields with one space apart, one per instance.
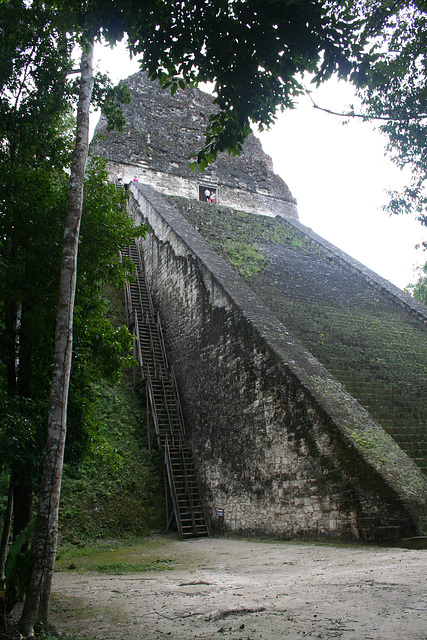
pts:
pixel 212 197
pixel 207 195
pixel 119 177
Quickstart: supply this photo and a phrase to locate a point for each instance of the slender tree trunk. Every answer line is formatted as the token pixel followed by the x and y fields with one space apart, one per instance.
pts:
pixel 22 504
pixel 22 468
pixel 10 321
pixel 7 523
pixel 36 608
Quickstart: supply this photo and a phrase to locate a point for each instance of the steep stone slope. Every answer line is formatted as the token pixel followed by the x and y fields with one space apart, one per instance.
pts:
pixel 356 329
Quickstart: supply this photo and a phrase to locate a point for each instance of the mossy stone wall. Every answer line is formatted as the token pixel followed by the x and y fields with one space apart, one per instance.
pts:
pixel 371 336
pixel 282 447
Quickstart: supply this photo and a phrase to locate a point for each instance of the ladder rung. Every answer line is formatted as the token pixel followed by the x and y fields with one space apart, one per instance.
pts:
pixel 165 404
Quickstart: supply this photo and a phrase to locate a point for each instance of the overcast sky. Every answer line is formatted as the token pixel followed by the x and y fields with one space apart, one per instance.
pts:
pixel 337 172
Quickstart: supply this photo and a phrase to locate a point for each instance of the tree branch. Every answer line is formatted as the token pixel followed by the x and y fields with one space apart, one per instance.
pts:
pixel 352 114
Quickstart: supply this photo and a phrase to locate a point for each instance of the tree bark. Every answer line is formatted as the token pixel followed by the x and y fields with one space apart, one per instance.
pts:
pixel 36 607
pixel 7 523
pixel 22 467
pixel 22 504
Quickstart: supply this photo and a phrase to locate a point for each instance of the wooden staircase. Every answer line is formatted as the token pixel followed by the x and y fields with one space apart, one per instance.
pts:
pixel 153 370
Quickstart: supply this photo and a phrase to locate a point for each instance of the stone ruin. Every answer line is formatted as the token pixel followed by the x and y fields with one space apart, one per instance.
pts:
pixel 161 135
pixel 303 375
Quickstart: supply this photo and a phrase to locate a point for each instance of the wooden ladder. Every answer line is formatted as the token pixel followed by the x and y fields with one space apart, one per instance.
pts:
pixel 181 476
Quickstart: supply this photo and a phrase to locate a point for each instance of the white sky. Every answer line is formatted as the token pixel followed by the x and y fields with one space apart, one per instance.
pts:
pixel 338 174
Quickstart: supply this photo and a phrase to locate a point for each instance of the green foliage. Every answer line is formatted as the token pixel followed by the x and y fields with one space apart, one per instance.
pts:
pixel 110 99
pixel 31 227
pixel 17 568
pixel 394 92
pixel 246 259
pixel 100 348
pixel 115 490
pixel 36 93
pixel 106 230
pixel 255 52
pixel 35 148
pixel 419 289
pixel 32 202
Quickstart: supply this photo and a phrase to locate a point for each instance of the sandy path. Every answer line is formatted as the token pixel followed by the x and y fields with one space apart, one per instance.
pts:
pixel 247 590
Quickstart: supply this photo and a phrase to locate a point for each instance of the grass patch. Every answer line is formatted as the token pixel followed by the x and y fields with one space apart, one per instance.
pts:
pixel 156 565
pixel 246 259
pixel 223 228
pixel 116 556
pixel 66 635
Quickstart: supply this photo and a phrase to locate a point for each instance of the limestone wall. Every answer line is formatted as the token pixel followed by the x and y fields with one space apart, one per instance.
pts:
pixel 161 136
pixel 230 196
pixel 281 446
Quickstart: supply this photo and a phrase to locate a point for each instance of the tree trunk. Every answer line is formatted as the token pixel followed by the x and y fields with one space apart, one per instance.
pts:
pixel 7 523
pixel 36 608
pixel 22 465
pixel 22 504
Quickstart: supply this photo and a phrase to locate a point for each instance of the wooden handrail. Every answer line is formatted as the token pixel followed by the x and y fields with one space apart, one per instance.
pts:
pixel 160 379
pixel 172 486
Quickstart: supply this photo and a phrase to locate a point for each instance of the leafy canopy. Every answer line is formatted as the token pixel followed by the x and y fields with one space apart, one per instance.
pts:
pixel 254 51
pixel 419 288
pixel 38 91
pixel 394 92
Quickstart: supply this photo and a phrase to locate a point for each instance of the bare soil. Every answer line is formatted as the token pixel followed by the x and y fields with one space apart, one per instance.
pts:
pixel 250 590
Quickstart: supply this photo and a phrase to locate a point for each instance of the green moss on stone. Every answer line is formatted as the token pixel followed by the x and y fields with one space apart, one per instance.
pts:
pixel 370 344
pixel 246 259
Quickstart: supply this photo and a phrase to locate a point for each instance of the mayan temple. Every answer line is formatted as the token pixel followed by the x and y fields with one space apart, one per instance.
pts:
pixel 288 393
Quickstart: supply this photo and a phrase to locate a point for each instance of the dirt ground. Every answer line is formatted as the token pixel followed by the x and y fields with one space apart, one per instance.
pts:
pixel 250 590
